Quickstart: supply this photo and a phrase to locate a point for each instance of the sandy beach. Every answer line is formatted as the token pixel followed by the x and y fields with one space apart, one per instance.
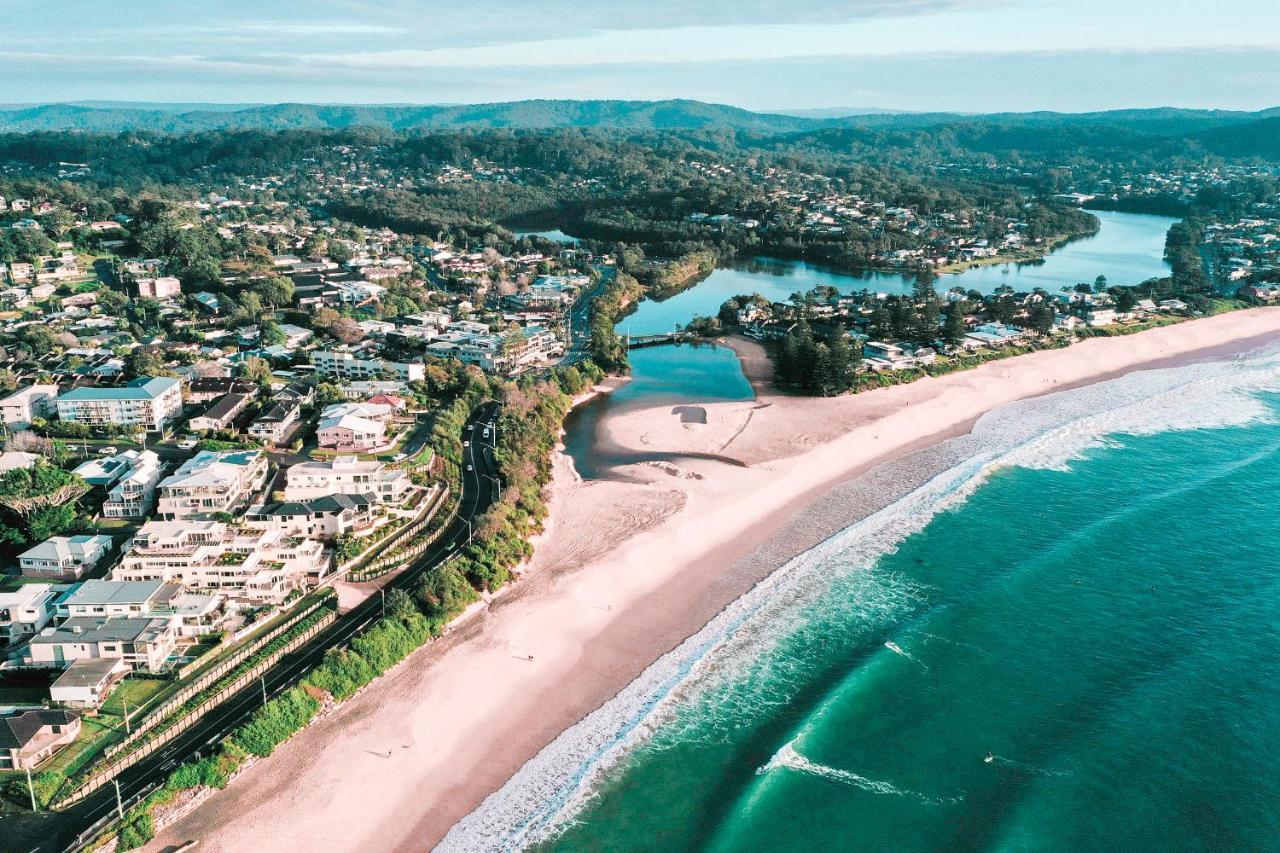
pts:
pixel 626 571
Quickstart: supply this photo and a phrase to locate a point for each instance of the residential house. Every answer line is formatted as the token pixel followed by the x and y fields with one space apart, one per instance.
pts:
pixel 296 392
pixel 134 495
pixel 221 414
pixel 29 737
pixel 1101 317
pixel 64 557
pixel 319 518
pixel 145 643
pixel 346 475
pixel 164 287
pixel 148 401
pixel 275 424
pixel 87 682
pixel 363 390
pixel 205 389
pixel 351 433
pixel 12 460
pixel 295 336
pixel 877 355
pixel 26 610
pixel 212 482
pixel 193 615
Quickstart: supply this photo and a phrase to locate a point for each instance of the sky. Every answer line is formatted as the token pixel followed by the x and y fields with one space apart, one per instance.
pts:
pixel 962 55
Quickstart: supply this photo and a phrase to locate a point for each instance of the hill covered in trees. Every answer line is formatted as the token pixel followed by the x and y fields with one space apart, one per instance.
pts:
pixel 1155 130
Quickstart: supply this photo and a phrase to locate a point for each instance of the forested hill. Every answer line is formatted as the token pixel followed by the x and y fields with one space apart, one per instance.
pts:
pixel 607 114
pixel 630 115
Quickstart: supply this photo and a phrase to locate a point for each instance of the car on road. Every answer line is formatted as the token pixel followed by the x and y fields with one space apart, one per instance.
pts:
pixel 466 444
pixel 109 451
pixel 400 457
pixel 188 443
pixel 470 467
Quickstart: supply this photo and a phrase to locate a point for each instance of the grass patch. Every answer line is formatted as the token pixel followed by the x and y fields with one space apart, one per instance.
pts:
pixel 137 693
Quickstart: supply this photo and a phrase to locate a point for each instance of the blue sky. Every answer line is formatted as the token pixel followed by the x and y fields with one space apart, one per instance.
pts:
pixel 970 55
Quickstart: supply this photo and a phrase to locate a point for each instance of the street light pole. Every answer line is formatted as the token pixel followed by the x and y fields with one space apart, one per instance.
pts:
pixel 119 803
pixel 127 729
pixel 31 790
pixel 383 591
pixel 497 483
pixel 263 681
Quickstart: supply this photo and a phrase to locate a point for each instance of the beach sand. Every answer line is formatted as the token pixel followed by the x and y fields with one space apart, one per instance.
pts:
pixel 624 573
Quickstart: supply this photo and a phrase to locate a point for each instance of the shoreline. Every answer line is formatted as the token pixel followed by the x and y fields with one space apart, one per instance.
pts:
pixel 622 576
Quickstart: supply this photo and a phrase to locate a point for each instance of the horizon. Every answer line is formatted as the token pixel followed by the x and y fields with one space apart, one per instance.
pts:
pixel 816 112
pixel 965 56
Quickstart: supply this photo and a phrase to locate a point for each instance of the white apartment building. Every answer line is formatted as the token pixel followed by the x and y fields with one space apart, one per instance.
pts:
pixel 211 482
pixel 149 401
pixel 346 366
pixel 24 405
pixel 346 475
pixel 247 565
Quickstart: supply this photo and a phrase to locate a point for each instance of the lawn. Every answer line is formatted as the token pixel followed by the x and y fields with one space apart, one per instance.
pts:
pixel 95 735
pixel 11 583
pixel 136 692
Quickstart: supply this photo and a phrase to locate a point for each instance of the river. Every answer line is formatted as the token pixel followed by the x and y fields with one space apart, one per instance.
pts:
pixel 1128 249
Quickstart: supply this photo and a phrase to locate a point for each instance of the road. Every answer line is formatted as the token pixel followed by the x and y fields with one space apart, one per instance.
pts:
pixel 54 831
pixel 580 317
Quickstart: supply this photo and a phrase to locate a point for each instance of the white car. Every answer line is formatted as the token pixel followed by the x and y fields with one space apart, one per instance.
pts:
pixel 187 444
pixel 466 444
pixel 109 451
pixel 470 467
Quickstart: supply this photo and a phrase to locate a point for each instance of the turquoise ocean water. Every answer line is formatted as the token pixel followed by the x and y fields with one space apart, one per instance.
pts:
pixel 1091 600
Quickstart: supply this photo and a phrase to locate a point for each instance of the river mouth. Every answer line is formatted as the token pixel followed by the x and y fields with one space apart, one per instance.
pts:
pixel 680 376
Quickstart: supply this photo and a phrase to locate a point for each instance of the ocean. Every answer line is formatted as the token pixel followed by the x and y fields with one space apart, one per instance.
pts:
pixel 1066 640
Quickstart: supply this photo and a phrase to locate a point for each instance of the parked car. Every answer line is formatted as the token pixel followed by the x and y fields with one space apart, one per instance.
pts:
pixel 188 443
pixel 109 451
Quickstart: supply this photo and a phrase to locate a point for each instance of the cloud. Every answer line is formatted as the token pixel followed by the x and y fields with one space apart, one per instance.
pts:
pixel 1027 80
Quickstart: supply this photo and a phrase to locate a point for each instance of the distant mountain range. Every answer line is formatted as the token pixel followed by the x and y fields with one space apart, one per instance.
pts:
pixel 1228 132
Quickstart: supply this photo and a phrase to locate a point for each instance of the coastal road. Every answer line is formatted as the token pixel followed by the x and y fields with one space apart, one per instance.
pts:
pixel 47 832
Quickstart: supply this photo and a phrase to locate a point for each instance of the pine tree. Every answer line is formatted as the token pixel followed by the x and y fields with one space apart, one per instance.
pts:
pixel 953 328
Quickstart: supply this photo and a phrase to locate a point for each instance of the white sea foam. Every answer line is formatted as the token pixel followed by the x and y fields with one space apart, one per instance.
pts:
pixel 789 758
pixel 721 659
pixel 901 652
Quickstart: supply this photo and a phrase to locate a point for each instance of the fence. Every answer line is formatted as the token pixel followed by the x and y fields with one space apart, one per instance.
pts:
pixel 383 565
pixel 112 770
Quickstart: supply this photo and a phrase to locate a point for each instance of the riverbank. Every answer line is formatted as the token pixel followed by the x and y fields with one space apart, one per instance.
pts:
pixel 625 572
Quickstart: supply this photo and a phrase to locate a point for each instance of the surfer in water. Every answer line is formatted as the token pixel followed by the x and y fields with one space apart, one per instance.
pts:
pixel 989 758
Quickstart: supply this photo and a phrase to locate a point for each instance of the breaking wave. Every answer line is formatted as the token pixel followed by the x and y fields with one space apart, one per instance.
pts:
pixel 789 758
pixel 718 663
